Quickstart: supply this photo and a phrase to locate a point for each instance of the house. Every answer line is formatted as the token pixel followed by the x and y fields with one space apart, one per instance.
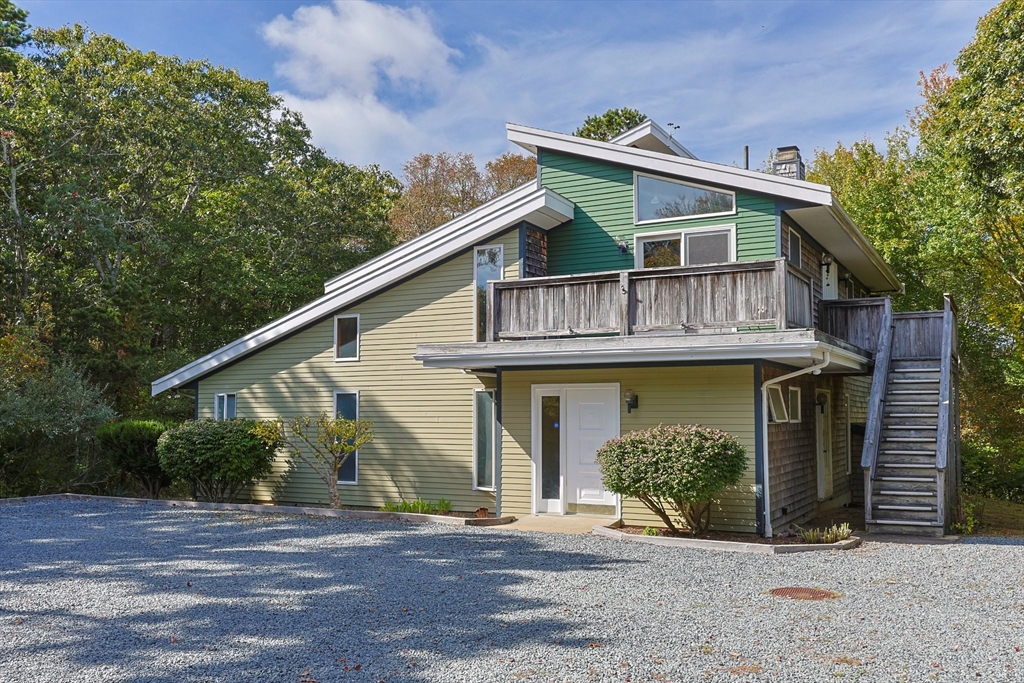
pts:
pixel 631 285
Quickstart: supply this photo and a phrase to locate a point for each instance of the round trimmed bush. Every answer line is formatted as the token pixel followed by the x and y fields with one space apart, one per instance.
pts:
pixel 219 457
pixel 674 469
pixel 131 447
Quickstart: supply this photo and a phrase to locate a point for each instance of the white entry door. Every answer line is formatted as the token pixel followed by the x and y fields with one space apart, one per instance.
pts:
pixel 570 423
pixel 823 430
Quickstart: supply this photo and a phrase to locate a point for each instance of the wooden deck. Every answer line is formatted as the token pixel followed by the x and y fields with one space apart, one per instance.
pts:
pixel 749 295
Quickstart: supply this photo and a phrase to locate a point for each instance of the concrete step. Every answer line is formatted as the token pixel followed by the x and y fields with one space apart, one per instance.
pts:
pixel 909 528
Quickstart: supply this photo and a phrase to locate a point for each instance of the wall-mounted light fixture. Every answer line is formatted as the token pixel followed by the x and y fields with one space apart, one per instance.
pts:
pixel 623 248
pixel 632 400
pixel 827 260
pixel 822 401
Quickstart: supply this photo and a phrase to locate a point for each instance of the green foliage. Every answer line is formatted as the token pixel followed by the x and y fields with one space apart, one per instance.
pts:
pixel 419 506
pixel 968 516
pixel 13 34
pixel 131 447
pixel 649 531
pixel 325 443
pixel 610 124
pixel 992 470
pixel 832 534
pixel 48 414
pixel 154 208
pixel 219 458
pixel 673 469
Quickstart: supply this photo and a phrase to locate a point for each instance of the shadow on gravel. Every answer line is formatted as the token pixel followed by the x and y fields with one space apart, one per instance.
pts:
pixel 274 597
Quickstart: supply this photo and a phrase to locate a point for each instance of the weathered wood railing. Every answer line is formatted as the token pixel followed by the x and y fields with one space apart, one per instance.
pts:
pixel 857 321
pixel 882 346
pixel 947 441
pixel 749 294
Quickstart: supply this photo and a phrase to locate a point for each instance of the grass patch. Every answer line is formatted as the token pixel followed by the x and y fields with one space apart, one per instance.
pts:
pixel 996 517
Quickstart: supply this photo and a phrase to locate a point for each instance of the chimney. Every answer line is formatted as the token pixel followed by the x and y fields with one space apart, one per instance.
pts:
pixel 788 163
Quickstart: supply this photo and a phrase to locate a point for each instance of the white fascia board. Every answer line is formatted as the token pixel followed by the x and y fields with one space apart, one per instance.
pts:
pixel 869 250
pixel 651 130
pixel 433 357
pixel 533 139
pixel 540 206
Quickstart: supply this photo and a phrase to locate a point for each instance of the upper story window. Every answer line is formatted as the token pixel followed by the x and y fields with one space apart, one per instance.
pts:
pixel 795 246
pixel 694 247
pixel 488 265
pixel 346 337
pixel 224 407
pixel 660 199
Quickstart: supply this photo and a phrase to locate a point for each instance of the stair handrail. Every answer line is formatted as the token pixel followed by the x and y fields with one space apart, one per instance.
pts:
pixel 945 382
pixel 876 401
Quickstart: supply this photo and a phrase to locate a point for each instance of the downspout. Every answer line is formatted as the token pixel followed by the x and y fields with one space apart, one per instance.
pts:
pixel 811 369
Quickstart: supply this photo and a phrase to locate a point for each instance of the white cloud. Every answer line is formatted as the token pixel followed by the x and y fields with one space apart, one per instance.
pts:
pixel 379 83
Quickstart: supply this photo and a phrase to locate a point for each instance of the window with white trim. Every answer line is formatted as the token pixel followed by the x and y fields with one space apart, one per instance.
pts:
pixel 794 404
pixel 488 266
pixel 346 405
pixel 223 406
pixel 795 247
pixel 663 199
pixel 346 337
pixel 485 439
pixel 776 404
pixel 693 247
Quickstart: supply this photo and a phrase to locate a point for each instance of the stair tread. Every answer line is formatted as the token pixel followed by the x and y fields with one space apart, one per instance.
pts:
pixel 920 416
pixel 908 522
pixel 903 392
pixel 890 451
pixel 912 380
pixel 911 403
pixel 910 439
pixel 910 427
pixel 907 465
pixel 921 480
pixel 915 494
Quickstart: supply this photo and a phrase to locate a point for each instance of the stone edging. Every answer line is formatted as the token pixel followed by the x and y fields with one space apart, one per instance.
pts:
pixel 282 510
pixel 727 546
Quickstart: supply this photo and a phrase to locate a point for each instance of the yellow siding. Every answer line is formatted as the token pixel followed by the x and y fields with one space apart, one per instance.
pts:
pixel 715 396
pixel 422 417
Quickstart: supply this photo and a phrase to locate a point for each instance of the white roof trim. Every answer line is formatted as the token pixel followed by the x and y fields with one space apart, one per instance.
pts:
pixel 539 206
pixel 791 349
pixel 717 174
pixel 652 137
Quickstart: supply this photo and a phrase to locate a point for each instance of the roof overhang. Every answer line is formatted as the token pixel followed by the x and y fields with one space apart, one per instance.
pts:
pixel 795 348
pixel 836 232
pixel 533 139
pixel 539 206
pixel 652 137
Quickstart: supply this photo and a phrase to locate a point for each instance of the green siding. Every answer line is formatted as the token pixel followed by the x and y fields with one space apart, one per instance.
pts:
pixel 603 195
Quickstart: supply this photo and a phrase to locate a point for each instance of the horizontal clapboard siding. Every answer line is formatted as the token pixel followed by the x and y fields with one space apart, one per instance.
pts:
pixel 603 195
pixel 423 418
pixel 718 396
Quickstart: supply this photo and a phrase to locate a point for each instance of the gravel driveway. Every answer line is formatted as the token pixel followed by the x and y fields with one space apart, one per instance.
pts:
pixel 99 591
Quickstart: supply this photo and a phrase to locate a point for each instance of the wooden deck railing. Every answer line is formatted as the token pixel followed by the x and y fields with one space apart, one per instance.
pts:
pixel 749 294
pixel 947 441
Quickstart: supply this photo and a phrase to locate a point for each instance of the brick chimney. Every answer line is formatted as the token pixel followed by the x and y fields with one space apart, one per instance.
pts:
pixel 788 163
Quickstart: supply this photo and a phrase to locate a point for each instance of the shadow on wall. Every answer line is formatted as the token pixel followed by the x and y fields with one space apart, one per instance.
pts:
pixel 172 595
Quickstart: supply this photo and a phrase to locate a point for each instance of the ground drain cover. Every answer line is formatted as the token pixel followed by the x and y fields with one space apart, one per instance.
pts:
pixel 797 593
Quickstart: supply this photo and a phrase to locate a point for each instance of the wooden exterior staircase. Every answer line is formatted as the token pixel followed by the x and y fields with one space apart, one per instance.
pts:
pixel 911 456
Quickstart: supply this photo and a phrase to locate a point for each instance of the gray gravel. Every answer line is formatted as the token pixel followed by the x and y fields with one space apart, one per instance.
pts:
pixel 99 591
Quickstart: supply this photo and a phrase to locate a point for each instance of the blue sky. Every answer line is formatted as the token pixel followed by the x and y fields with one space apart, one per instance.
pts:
pixel 380 82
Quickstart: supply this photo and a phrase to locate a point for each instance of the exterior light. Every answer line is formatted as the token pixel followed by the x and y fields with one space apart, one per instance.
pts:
pixel 827 260
pixel 632 400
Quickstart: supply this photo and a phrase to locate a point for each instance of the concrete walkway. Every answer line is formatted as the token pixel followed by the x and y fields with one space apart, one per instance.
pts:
pixel 559 524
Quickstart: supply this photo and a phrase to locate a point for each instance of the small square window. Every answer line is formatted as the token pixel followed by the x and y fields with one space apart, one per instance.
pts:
pixel 776 404
pixel 224 407
pixel 794 404
pixel 346 337
pixel 795 246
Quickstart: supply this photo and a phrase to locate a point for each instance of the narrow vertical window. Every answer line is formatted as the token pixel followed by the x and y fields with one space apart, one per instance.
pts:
pixel 484 440
pixel 223 406
pixel 488 264
pixel 550 448
pixel 346 337
pixel 794 404
pixel 795 246
pixel 346 405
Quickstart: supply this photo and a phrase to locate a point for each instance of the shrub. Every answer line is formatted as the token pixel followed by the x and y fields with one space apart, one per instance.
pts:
pixel 219 458
pixel 649 531
pixel 419 506
pixel 832 534
pixel 325 443
pixel 673 469
pixel 131 447
pixel 994 470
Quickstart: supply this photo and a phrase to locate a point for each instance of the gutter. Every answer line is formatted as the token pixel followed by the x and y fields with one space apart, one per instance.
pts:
pixel 811 369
